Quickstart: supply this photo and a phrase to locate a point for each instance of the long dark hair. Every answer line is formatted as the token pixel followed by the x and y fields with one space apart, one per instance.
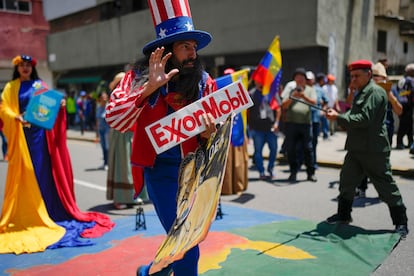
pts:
pixel 186 81
pixel 33 75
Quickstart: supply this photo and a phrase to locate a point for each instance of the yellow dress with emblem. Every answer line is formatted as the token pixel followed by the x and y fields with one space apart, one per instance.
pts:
pixel 25 225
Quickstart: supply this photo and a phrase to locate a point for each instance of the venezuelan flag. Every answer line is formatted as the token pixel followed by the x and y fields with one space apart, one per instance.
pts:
pixel 269 71
pixel 240 120
pixel 242 75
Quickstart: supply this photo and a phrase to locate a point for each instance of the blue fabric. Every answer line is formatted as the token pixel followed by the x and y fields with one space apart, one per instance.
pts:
pixel 325 127
pixel 162 187
pixel 224 81
pixel 4 143
pixel 320 97
pixel 103 131
pixel 72 236
pixel 237 133
pixel 259 140
pixel 389 119
pixel 38 149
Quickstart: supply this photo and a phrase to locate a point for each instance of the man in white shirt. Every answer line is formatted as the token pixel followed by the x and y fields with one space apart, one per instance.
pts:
pixel 332 94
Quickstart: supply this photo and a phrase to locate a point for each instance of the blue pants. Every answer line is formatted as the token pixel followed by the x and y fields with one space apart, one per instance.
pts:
pixel 162 186
pixel 104 140
pixel 325 127
pixel 4 144
pixel 259 140
pixel 315 134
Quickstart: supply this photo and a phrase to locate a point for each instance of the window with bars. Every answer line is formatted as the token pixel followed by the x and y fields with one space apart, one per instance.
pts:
pixel 21 6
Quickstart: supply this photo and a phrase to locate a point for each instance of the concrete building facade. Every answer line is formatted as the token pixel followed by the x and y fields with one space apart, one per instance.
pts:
pixel 23 30
pixel 91 40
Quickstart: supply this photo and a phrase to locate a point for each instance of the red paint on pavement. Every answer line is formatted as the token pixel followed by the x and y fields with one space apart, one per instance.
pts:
pixel 125 256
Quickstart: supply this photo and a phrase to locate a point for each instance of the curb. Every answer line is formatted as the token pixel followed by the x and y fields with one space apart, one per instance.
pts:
pixel 409 173
pixel 81 139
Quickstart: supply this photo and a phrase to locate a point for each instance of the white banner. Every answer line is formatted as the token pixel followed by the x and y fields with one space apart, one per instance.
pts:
pixel 186 122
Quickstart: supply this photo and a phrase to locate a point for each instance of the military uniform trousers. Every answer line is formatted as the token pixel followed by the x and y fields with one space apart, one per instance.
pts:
pixel 377 167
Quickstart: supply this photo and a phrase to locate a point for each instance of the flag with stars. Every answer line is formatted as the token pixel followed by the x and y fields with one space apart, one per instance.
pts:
pixel 240 120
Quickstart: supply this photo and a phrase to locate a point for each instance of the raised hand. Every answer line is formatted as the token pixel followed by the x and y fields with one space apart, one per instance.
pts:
pixel 157 75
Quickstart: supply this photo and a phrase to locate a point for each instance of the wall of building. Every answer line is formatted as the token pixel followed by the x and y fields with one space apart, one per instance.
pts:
pixel 23 34
pixel 251 25
pixel 245 27
pixel 395 43
pixel 321 35
pixel 59 8
pixel 346 28
pixel 109 42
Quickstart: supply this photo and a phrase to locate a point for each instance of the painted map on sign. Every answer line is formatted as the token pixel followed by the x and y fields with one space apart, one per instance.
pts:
pixel 200 180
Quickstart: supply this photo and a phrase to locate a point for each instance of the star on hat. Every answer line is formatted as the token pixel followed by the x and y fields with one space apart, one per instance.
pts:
pixel 172 21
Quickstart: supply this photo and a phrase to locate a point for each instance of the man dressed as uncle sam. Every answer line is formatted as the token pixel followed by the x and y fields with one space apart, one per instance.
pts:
pixel 168 78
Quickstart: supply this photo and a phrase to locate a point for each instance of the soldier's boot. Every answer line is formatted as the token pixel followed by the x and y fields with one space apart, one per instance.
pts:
pixel 344 212
pixel 399 219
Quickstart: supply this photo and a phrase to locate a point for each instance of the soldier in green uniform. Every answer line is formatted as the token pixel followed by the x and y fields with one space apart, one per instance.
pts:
pixel 368 148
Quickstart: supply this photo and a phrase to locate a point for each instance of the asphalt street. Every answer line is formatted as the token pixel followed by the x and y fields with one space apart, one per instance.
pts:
pixel 304 200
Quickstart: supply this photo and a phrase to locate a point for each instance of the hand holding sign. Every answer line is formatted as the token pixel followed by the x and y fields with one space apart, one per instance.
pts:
pixel 210 126
pixel 188 121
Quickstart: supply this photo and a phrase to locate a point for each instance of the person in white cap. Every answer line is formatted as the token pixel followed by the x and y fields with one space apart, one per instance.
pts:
pixel 321 101
pixel 170 77
pixel 379 75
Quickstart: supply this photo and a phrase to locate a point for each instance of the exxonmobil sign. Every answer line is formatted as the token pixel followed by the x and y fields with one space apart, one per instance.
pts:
pixel 186 122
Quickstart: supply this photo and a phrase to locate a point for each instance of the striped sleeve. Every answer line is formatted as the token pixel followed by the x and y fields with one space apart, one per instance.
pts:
pixel 210 87
pixel 122 111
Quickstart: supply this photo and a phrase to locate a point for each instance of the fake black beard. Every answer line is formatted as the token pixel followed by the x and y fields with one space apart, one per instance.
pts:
pixel 188 79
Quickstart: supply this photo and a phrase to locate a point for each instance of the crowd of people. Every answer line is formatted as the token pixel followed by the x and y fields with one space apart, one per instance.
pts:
pixel 304 103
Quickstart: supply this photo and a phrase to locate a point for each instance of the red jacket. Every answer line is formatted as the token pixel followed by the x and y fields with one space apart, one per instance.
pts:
pixel 126 108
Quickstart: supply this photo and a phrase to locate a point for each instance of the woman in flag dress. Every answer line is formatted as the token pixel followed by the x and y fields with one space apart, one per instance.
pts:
pixel 39 208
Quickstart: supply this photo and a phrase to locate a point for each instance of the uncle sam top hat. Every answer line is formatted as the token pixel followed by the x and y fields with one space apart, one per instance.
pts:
pixel 173 22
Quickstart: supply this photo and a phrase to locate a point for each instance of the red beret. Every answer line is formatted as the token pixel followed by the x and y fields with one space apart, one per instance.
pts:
pixel 360 64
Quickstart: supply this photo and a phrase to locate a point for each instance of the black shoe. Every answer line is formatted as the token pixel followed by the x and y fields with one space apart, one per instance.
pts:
pixel 337 219
pixel 399 147
pixel 402 229
pixel 292 178
pixel 312 178
pixel 271 176
pixel 360 193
